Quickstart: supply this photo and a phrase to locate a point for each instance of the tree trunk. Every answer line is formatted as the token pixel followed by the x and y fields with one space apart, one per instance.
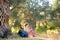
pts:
pixel 4 16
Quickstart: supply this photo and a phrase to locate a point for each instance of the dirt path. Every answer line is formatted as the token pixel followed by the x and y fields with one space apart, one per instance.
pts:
pixel 50 36
pixel 42 36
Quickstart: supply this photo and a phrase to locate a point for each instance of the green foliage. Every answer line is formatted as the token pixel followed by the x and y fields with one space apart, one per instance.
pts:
pixel 50 26
pixel 16 2
pixel 41 29
pixel 56 23
pixel 23 7
pixel 17 24
pixel 14 13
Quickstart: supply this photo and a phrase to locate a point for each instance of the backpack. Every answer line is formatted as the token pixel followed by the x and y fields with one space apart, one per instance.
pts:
pixel 22 33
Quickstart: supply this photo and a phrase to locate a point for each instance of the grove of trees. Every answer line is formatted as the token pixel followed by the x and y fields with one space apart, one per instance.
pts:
pixel 34 12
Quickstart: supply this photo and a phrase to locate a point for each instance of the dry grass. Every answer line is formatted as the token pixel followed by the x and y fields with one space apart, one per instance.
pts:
pixel 21 39
pixel 16 37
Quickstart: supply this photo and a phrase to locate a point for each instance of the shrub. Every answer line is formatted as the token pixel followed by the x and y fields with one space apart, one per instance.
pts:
pixel 41 29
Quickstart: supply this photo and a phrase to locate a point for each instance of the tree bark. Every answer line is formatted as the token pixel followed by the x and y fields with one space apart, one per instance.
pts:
pixel 4 16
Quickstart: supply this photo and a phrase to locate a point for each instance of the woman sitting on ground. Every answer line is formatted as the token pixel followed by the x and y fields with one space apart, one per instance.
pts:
pixel 29 30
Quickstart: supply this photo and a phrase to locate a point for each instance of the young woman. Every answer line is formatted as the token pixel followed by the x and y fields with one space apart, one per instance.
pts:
pixel 29 30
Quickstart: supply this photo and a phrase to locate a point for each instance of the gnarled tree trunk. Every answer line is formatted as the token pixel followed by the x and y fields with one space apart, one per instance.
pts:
pixel 4 17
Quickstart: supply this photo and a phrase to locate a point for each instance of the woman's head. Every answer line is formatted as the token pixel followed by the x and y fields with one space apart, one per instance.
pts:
pixel 26 25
